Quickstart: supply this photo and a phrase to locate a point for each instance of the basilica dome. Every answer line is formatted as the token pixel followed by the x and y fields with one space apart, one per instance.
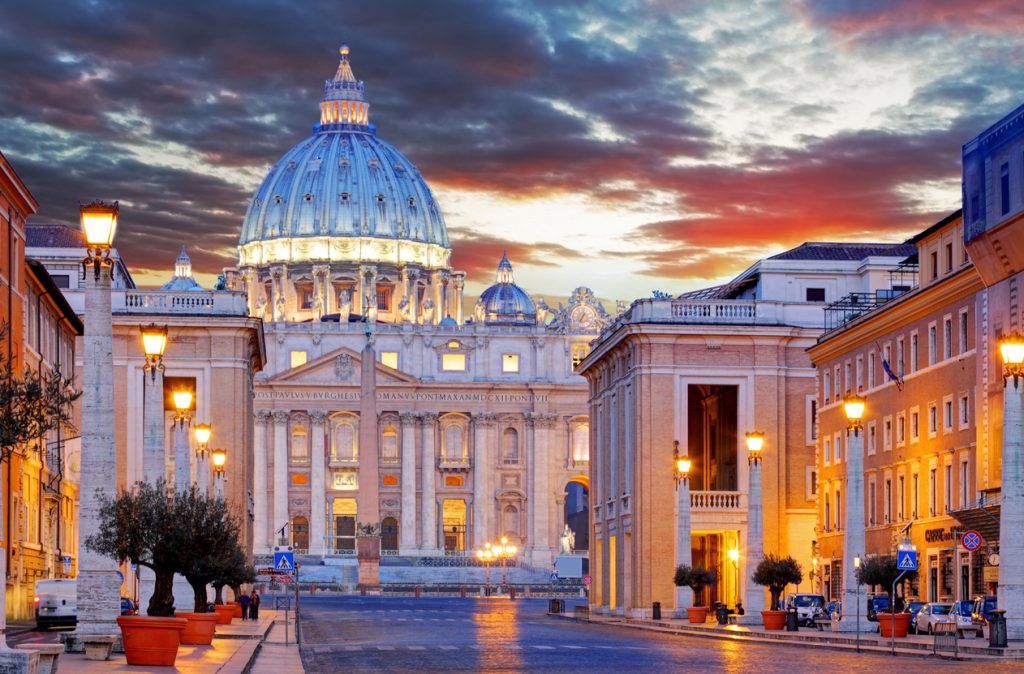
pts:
pixel 505 303
pixel 343 194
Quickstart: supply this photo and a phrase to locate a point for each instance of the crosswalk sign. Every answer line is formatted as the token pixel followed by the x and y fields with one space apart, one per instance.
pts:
pixel 284 561
pixel 906 560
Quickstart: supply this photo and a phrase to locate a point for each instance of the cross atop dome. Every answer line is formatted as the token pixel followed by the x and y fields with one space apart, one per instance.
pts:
pixel 344 106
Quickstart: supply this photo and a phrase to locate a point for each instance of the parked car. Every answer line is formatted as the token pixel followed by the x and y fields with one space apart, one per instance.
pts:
pixel 962 615
pixel 876 605
pixel 808 607
pixel 833 607
pixel 128 607
pixel 55 602
pixel 913 608
pixel 932 614
pixel 981 612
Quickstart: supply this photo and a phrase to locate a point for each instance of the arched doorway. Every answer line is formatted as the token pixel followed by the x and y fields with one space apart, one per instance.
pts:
pixel 300 533
pixel 453 523
pixel 577 512
pixel 389 534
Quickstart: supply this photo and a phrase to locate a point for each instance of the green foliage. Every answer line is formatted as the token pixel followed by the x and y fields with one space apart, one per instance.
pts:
pixel 233 571
pixel 882 571
pixel 776 573
pixel 696 578
pixel 214 537
pixel 31 405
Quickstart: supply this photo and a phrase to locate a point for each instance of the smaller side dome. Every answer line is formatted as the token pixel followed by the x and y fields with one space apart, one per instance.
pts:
pixel 182 279
pixel 505 303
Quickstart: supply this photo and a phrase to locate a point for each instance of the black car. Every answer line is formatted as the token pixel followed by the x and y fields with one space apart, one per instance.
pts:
pixel 876 605
pixel 912 608
pixel 982 611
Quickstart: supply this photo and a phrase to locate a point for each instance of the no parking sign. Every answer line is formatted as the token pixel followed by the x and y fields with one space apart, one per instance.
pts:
pixel 972 540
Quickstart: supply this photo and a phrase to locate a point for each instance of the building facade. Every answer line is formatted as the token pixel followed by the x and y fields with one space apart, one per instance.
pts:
pixel 481 424
pixel 920 423
pixel 702 370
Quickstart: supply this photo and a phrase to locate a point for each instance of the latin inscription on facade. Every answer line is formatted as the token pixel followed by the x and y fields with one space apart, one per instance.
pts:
pixel 402 396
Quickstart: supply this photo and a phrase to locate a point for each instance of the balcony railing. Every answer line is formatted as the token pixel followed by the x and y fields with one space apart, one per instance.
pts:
pixel 716 501
pixel 175 302
pixel 715 312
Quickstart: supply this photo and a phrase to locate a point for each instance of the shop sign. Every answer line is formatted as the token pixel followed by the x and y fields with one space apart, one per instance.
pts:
pixel 938 535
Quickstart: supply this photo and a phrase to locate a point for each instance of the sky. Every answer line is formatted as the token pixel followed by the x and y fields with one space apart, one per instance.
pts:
pixel 625 146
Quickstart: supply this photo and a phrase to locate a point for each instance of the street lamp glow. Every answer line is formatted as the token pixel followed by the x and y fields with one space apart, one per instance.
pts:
pixel 755 443
pixel 182 400
pixel 1011 348
pixel 154 341
pixel 853 406
pixel 856 562
pixel 203 433
pixel 99 223
pixel 220 459
pixel 734 555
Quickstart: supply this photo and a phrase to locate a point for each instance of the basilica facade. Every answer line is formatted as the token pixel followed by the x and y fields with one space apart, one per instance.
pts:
pixel 478 424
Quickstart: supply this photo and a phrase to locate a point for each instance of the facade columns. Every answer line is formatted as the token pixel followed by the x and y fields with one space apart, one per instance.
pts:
pixel 753 594
pixel 854 538
pixel 542 425
pixel 481 466
pixel 407 528
pixel 428 505
pixel 182 458
pixel 317 496
pixel 280 473
pixel 1011 516
pixel 259 483
pixel 460 283
pixel 154 455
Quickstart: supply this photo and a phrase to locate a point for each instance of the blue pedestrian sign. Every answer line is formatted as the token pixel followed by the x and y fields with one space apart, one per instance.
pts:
pixel 906 560
pixel 553 577
pixel 284 562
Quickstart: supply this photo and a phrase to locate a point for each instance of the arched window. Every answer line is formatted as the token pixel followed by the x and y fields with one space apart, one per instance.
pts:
pixel 389 445
pixel 300 445
pixel 389 534
pixel 453 444
pixel 510 446
pixel 343 441
pixel 581 443
pixel 510 520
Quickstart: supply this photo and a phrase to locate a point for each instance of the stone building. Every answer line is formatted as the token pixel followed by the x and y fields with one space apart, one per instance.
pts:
pixel 481 424
pixel 920 441
pixel 703 369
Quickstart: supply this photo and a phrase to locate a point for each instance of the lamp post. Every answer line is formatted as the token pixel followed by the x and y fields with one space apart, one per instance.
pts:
pixel 503 551
pixel 220 459
pixel 203 432
pixel 154 457
pixel 486 555
pixel 681 465
pixel 753 595
pixel 854 538
pixel 182 468
pixel 1011 515
pixel 856 569
pixel 98 580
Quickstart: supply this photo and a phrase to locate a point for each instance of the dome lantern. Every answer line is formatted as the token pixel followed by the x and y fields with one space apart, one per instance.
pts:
pixel 344 101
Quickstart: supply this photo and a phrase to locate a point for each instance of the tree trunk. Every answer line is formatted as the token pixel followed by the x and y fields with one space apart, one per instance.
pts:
pixel 218 597
pixel 161 604
pixel 237 590
pixel 199 590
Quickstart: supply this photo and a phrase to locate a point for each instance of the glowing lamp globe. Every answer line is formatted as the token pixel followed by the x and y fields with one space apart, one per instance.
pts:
pixel 220 458
pixel 854 407
pixel 203 433
pixel 154 340
pixel 182 400
pixel 99 223
pixel 1011 348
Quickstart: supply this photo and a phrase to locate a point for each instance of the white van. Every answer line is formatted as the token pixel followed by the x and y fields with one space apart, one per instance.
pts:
pixel 55 602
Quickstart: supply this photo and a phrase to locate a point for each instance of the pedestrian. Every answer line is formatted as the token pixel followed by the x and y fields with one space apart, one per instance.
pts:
pixel 244 601
pixel 254 605
pixel 739 608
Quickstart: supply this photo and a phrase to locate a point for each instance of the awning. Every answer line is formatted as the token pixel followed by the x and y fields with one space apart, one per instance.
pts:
pixel 982 516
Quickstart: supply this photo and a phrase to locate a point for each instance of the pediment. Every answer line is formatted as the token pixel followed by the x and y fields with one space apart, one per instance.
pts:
pixel 341 366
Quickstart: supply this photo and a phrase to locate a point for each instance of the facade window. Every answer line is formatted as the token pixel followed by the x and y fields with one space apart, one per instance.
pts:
pixel 947 338
pixel 965 410
pixel 510 362
pixel 887 503
pixel 384 299
pixel 947 491
pixel 814 419
pixel 963 331
pixel 887 434
pixel 901 360
pixel 947 414
pixel 837 447
pixel 815 294
pixel 298 358
pixel 933 420
pixel 949 257
pixel 453 362
pixel 811 485
pixel 915 426
pixel 300 445
pixel 871 369
pixel 901 429
pixel 902 498
pixel 932 346
pixel 343 441
pixel 872 505
pixel 510 446
pixel 389 358
pixel 933 495
pixel 61 280
pixel 935 264
pixel 389 445
pixel 848 379
pixel 965 483
pixel 579 353
pixel 306 298
pixel 839 509
pixel 828 514
pixel 837 384
pixel 827 381
pixel 913 352
pixel 581 443
pixel 872 438
pixel 454 445
pixel 1004 189
pixel 914 496
pixel 827 451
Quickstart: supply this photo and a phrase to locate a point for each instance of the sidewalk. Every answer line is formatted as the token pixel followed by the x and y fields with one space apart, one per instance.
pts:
pixel 276 658
pixel 916 645
pixel 233 650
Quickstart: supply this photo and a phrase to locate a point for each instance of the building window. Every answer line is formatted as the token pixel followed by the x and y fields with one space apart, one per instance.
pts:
pixel 510 446
pixel 1004 189
pixel 947 337
pixel 901 360
pixel 933 495
pixel 901 429
pixel 828 514
pixel 343 441
pixel 581 443
pixel 298 358
pixel 510 362
pixel 963 331
pixel 838 448
pixel 454 444
pixel 453 362
pixel 949 257
pixel 914 495
pixel 61 280
pixel 384 299
pixel 947 414
pixel 887 504
pixel 965 483
pixel 933 420
pixel 837 389
pixel 913 351
pixel 872 504
pixel 827 452
pixel 815 294
pixel 389 445
pixel 947 490
pixel 839 509
pixel 965 410
pixel 827 386
pixel 859 374
pixel 935 264
pixel 300 445
pixel 932 347
pixel 887 434
pixel 872 438
pixel 848 378
pixel 871 369
pixel 389 358
pixel 811 484
pixel 903 498
pixel 579 353
pixel 915 426
pixel 306 298
pixel 813 414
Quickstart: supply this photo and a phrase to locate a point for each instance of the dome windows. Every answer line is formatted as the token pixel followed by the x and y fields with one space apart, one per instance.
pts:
pixel 278 199
pixel 380 198
pixel 308 197
pixel 412 202
pixel 344 197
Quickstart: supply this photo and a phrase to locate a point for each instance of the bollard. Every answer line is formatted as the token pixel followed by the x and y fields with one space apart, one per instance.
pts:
pixel 792 620
pixel 722 613
pixel 462 591
pixel 997 629
pixel 417 590
pixel 511 593
pixel 656 610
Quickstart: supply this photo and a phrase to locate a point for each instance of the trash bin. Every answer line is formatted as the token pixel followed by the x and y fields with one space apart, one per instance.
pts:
pixel 511 593
pixel 417 590
pixel 656 610
pixel 722 613
pixel 997 629
pixel 792 620
pixel 556 606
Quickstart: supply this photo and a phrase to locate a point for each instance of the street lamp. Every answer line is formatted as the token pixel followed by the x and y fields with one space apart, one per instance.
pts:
pixel 855 538
pixel 853 406
pixel 681 466
pixel 753 595
pixel 182 405
pixel 154 342
pixel 203 432
pixel 503 551
pixel 1011 511
pixel 1011 348
pixel 487 557
pixel 220 459
pixel 856 568
pixel 97 577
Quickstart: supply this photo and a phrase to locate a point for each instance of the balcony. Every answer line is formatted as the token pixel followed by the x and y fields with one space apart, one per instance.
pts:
pixel 184 303
pixel 448 464
pixel 717 501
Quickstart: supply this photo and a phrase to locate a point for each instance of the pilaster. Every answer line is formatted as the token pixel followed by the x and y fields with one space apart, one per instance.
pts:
pixel 280 472
pixel 317 497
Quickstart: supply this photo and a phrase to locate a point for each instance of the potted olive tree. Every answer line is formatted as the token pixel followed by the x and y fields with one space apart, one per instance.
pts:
pixel 883 571
pixel 141 526
pixel 232 571
pixel 776 573
pixel 696 578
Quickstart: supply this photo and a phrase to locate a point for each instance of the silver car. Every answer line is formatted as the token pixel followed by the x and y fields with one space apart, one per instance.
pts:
pixel 932 614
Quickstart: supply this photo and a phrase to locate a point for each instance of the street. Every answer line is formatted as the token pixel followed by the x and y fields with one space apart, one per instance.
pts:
pixel 373 634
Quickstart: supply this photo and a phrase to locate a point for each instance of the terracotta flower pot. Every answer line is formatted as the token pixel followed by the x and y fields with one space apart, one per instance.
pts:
pixel 200 628
pixel 697 614
pixel 898 622
pixel 150 640
pixel 224 612
pixel 773 620
pixel 237 607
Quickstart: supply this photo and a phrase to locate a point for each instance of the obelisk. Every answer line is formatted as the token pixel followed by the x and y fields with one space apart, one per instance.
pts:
pixel 368 503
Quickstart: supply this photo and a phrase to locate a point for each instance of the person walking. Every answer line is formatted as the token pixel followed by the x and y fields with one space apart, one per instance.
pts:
pixel 245 602
pixel 254 605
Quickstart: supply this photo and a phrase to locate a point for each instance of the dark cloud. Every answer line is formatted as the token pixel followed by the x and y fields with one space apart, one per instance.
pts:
pixel 478 255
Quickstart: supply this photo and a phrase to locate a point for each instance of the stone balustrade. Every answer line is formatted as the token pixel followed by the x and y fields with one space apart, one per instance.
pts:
pixel 716 501
pixel 177 302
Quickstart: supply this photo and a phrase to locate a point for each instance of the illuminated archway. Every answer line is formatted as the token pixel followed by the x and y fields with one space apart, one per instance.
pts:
pixel 577 511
